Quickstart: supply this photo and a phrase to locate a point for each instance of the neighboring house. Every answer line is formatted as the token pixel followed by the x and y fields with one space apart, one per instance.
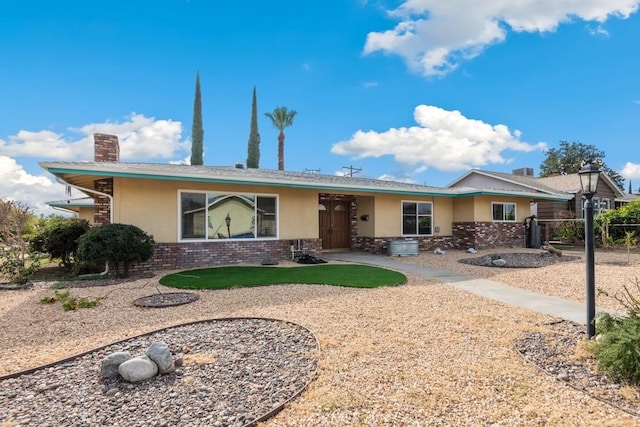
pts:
pixel 206 215
pixel 606 197
pixel 82 207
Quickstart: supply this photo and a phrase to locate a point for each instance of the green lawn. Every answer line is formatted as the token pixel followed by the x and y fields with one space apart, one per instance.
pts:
pixel 357 276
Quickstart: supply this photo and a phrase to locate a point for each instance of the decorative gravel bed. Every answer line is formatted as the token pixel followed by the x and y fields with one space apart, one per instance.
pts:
pixel 519 259
pixel 234 373
pixel 558 354
pixel 418 354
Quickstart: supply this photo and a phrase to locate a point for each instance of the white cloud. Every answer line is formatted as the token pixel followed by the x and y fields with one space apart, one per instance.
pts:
pixel 631 171
pixel 435 36
pixel 44 142
pixel 34 190
pixel 390 177
pixel 140 137
pixel 444 140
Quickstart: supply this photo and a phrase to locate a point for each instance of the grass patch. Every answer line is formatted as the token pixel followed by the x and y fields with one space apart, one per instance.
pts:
pixel 357 276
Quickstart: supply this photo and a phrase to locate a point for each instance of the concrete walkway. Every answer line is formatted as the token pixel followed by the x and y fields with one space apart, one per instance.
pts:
pixel 546 304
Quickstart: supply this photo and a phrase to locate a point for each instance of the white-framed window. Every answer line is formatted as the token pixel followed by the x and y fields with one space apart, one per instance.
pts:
pixel 599 205
pixel 503 212
pixel 417 218
pixel 216 216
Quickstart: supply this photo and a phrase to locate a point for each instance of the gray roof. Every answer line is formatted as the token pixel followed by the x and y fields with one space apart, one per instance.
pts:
pixel 84 173
pixel 569 184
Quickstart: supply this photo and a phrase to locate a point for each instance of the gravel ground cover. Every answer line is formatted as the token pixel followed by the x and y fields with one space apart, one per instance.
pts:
pixel 418 354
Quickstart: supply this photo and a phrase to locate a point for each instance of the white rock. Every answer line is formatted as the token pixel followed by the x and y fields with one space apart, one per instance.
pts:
pixel 111 363
pixel 499 262
pixel 160 354
pixel 138 369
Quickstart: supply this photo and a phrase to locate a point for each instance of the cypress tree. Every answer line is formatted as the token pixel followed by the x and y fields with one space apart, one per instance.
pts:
pixel 197 134
pixel 253 149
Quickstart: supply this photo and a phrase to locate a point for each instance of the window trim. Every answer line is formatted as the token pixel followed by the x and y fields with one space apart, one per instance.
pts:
pixel 515 212
pixel 417 202
pixel 181 239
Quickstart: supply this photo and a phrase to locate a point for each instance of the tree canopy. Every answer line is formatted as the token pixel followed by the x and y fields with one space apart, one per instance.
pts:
pixel 570 158
pixel 197 133
pixel 281 118
pixel 253 149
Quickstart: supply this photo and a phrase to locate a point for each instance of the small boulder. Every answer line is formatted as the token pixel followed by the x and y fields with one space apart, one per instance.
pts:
pixel 438 251
pixel 159 353
pixel 499 262
pixel 111 363
pixel 138 369
pixel 471 251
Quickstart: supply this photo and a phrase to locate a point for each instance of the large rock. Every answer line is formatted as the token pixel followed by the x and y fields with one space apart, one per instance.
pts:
pixel 499 262
pixel 160 354
pixel 138 369
pixel 111 363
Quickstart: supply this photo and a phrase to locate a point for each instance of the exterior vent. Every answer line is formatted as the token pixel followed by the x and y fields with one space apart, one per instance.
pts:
pixel 523 172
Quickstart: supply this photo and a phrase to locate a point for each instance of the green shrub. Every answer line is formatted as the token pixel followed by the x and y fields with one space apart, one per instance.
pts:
pixel 617 347
pixel 120 244
pixel 60 240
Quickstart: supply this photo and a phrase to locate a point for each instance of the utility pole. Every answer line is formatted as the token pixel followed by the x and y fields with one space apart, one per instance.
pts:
pixel 351 170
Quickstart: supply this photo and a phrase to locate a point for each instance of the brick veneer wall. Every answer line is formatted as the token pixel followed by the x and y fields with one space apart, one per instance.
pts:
pixel 378 245
pixel 482 235
pixel 105 149
pixel 175 256
pixel 479 235
pixel 102 204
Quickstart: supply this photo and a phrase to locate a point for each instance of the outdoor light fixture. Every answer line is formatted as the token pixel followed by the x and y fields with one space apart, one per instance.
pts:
pixel 589 175
pixel 227 220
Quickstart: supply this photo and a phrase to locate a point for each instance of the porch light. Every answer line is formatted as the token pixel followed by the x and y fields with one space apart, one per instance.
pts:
pixel 589 175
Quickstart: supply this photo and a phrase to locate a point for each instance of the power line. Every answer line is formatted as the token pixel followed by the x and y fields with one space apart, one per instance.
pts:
pixel 352 170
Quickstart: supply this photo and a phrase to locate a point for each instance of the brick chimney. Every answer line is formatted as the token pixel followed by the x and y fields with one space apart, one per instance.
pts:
pixel 106 148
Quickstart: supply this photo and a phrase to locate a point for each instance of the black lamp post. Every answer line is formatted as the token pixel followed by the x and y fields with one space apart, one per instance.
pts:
pixel 227 220
pixel 589 175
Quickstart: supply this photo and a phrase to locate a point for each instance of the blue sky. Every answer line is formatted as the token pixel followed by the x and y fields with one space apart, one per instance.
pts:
pixel 416 90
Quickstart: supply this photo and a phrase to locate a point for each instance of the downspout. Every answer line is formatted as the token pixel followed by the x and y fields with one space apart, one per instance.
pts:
pixel 110 197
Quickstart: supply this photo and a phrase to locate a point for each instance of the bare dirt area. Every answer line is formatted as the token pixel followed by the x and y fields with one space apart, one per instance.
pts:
pixel 418 354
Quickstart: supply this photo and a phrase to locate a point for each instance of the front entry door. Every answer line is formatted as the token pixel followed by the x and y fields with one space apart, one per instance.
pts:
pixel 335 229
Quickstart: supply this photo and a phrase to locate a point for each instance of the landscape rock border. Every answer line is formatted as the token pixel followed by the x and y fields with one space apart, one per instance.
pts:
pixel 166 299
pixel 551 353
pixel 301 346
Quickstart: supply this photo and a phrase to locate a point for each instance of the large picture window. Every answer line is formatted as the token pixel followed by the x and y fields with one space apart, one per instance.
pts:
pixel 504 211
pixel 417 218
pixel 227 216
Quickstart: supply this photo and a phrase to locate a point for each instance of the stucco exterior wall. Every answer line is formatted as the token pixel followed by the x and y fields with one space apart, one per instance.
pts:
pixel 136 198
pixel 464 209
pixel 388 214
pixel 366 206
pixel 484 213
pixel 86 214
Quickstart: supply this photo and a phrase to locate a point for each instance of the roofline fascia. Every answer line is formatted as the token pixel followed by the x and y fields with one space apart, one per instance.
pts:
pixel 58 171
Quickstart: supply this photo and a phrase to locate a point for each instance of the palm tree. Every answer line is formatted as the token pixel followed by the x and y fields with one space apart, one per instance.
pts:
pixel 281 119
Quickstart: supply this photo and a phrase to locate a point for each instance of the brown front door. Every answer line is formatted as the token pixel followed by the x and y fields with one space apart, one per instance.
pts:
pixel 334 224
